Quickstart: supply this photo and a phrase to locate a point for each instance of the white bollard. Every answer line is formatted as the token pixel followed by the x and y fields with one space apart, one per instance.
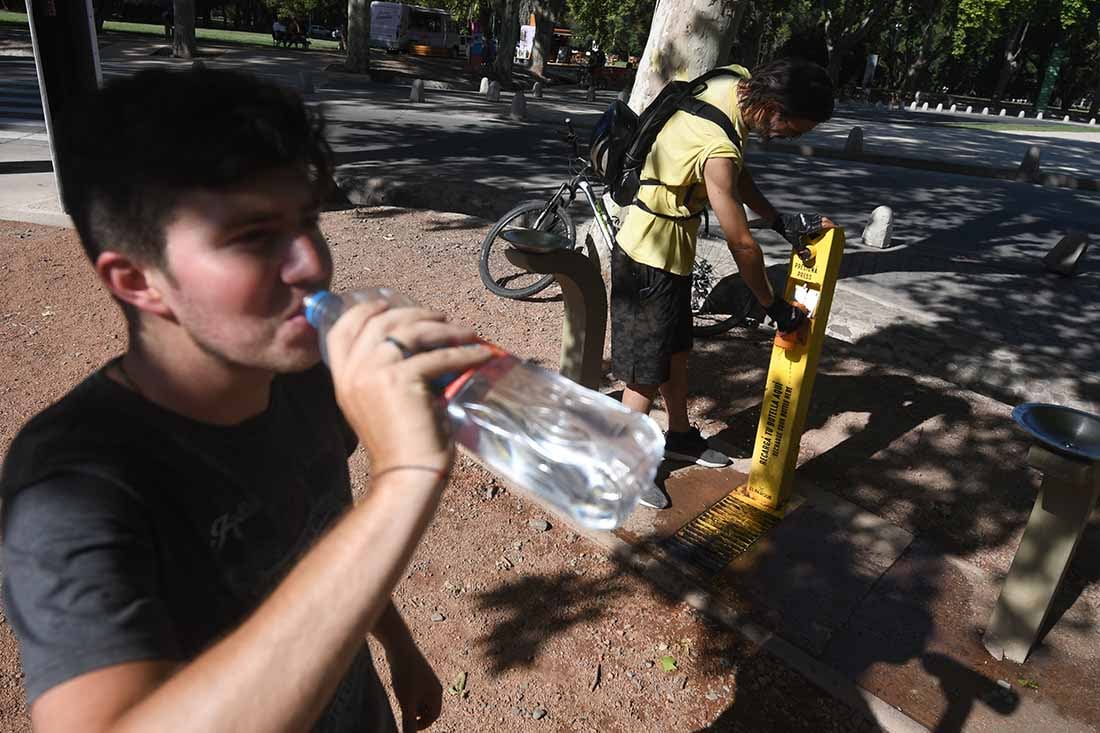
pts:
pixel 913 107
pixel 854 145
pixel 1065 119
pixel 519 107
pixel 954 108
pixel 969 109
pixel 1092 121
pixel 985 110
pixel 536 91
pixel 880 228
pixel 1021 115
pixel 1039 116
pixel 483 90
pixel 416 94
pixel 939 107
pixel 924 107
pixel 1003 112
pixel 494 92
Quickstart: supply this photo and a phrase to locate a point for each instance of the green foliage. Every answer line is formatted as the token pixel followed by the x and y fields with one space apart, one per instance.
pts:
pixel 303 8
pixel 616 25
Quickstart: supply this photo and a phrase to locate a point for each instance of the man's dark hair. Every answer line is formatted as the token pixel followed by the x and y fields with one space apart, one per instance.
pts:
pixel 801 88
pixel 136 146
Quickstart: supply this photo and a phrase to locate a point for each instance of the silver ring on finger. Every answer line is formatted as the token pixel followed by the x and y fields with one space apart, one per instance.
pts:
pixel 406 352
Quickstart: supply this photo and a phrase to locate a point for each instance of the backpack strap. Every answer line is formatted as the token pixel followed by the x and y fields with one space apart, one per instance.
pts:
pixel 702 79
pixel 697 107
pixel 641 205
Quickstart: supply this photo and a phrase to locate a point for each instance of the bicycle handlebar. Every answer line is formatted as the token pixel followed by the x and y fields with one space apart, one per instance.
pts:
pixel 571 137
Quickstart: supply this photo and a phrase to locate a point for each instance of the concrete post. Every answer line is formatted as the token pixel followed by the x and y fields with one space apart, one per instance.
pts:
pixel 483 90
pixel 1064 257
pixel 854 144
pixel 519 107
pixel 536 91
pixel 416 93
pixel 1029 166
pixel 585 325
pixel 493 94
pixel 1058 519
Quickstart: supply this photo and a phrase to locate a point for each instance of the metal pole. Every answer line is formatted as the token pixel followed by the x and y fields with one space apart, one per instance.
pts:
pixel 66 58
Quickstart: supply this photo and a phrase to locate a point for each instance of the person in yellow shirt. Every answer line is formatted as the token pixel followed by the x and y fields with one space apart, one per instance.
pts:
pixel 694 162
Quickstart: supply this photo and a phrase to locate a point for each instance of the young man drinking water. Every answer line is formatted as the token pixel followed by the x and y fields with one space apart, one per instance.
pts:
pixel 180 547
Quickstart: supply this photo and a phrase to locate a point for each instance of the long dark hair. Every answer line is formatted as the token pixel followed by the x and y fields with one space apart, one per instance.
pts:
pixel 801 88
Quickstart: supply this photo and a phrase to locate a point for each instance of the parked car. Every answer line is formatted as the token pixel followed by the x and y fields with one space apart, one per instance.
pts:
pixel 320 32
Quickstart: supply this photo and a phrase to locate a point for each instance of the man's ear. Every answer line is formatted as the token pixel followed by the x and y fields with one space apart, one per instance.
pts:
pixel 132 283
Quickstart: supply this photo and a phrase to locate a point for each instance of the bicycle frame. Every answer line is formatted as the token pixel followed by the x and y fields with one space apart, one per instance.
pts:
pixel 567 194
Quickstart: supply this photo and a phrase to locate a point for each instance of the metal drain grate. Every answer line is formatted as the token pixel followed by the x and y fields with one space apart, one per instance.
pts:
pixel 714 538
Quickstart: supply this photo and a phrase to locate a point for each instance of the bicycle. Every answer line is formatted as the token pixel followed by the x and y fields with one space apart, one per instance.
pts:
pixel 721 300
pixel 500 276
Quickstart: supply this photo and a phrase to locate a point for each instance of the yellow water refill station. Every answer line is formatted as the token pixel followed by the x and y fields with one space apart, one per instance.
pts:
pixel 791 376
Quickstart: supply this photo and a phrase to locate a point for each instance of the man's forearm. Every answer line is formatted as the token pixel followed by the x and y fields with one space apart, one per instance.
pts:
pixel 753 198
pixel 298 644
pixel 750 263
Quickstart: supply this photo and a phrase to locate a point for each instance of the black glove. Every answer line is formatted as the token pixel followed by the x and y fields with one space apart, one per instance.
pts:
pixel 787 316
pixel 793 227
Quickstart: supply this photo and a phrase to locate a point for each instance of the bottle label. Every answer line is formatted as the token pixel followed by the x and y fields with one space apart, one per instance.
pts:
pixel 455 383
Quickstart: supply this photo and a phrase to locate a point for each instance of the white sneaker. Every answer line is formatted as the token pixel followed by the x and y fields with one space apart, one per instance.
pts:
pixel 653 496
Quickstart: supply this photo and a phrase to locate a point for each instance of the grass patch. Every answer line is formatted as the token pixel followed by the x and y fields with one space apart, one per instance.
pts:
pixel 1022 127
pixel 240 38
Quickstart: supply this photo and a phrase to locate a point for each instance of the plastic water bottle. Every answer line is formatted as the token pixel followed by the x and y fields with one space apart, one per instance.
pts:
pixel 580 451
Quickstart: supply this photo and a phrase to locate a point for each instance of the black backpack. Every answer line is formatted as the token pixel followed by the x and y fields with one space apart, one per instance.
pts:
pixel 622 139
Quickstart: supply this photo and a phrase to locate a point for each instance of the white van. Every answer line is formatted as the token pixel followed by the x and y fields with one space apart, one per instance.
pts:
pixel 396 27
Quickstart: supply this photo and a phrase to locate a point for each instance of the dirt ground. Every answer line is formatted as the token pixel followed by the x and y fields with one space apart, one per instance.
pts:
pixel 551 635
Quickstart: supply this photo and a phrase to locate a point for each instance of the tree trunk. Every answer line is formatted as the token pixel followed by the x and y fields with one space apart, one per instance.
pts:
pixel 506 42
pixel 544 36
pixel 183 35
pixel 358 40
pixel 1013 49
pixel 915 68
pixel 686 38
pixel 841 39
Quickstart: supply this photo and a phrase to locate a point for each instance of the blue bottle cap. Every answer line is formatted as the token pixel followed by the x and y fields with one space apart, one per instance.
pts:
pixel 314 304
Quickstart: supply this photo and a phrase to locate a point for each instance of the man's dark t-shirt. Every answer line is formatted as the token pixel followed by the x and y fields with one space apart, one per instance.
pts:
pixel 133 533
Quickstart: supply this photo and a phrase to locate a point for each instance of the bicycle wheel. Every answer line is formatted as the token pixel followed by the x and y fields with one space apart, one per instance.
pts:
pixel 720 299
pixel 499 275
